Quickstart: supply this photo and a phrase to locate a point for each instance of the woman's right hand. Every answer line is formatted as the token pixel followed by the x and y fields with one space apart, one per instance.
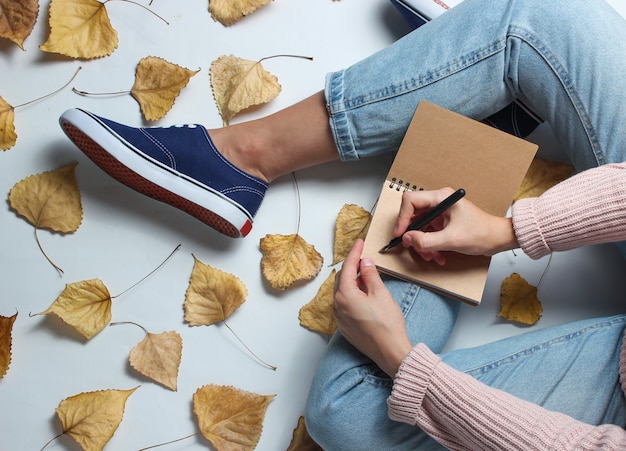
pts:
pixel 463 228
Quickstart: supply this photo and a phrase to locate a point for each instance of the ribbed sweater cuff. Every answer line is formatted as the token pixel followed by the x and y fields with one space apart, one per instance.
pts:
pixel 410 384
pixel 527 228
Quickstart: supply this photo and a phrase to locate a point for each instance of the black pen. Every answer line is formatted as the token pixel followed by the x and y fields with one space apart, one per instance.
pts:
pixel 425 219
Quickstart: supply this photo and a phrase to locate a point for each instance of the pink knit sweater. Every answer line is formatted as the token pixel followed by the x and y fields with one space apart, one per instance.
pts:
pixel 462 413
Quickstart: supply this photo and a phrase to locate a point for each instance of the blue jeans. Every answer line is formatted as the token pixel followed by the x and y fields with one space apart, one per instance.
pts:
pixel 564 59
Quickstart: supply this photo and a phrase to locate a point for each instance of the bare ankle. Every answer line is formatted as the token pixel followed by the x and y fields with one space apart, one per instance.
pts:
pixel 238 150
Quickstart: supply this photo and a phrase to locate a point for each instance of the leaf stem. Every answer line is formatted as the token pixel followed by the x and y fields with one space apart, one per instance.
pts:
pixel 138 4
pixel 85 93
pixel 170 442
pixel 147 275
pixel 44 253
pixel 545 270
pixel 52 93
pixel 272 367
pixel 130 322
pixel 295 182
pixel 310 58
pixel 52 440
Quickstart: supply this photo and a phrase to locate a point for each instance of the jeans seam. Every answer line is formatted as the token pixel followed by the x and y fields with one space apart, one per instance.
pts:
pixel 540 346
pixel 568 86
pixel 424 80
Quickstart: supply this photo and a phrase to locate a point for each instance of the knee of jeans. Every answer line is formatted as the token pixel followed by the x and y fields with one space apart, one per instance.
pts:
pixel 325 420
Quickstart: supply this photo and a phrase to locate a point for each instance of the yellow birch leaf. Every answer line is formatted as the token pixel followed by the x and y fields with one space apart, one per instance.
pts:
pixel 6 329
pixel 158 357
pixel 230 418
pixel 8 137
pixel 317 315
pixel 301 440
pixel 239 84
pixel 17 19
pixel 288 259
pixel 80 29
pixel 50 200
pixel 85 306
pixel 157 84
pixel 519 302
pixel 227 12
pixel 92 418
pixel 352 223
pixel 541 176
pixel 212 295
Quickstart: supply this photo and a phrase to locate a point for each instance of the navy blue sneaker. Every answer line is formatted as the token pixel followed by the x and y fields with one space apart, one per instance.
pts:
pixel 177 165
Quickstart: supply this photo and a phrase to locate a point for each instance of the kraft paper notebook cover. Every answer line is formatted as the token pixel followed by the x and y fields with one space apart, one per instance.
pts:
pixel 445 149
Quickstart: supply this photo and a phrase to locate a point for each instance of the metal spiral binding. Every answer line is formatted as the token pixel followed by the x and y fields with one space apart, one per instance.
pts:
pixel 401 185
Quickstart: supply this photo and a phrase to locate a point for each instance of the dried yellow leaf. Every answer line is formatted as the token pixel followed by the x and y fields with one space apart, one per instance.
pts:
pixel 80 29
pixel 50 200
pixel 6 329
pixel 17 19
pixel 317 315
pixel 352 223
pixel 85 305
pixel 227 12
pixel 239 84
pixel 519 302
pixel 301 440
pixel 230 418
pixel 541 176
pixel 158 357
pixel 8 137
pixel 157 84
pixel 92 418
pixel 212 295
pixel 288 259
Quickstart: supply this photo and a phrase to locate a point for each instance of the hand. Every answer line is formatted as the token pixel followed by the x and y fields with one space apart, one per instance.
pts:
pixel 367 315
pixel 463 228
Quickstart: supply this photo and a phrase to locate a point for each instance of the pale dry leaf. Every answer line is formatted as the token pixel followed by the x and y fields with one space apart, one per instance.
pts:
pixel 158 357
pixel 212 295
pixel 230 418
pixel 288 259
pixel 541 176
pixel 92 418
pixel 8 137
pixel 317 315
pixel 157 84
pixel 50 200
pixel 6 331
pixel 85 306
pixel 17 19
pixel 519 302
pixel 238 84
pixel 301 440
pixel 352 223
pixel 227 12
pixel 80 29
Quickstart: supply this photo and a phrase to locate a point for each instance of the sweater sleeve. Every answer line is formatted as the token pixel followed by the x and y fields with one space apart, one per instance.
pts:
pixel 462 413
pixel 588 208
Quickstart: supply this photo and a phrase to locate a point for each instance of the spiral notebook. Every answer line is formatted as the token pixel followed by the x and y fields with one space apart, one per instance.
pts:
pixel 445 149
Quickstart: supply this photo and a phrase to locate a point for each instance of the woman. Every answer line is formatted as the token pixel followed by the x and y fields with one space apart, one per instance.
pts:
pixel 565 60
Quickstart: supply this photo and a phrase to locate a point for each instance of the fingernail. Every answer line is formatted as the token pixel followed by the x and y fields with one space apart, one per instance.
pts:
pixel 406 239
pixel 367 262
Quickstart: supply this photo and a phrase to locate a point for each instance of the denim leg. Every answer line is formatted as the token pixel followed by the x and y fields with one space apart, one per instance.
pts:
pixel 572 368
pixel 347 404
pixel 564 58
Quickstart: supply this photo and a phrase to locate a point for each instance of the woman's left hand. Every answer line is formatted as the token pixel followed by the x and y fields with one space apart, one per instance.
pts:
pixel 367 315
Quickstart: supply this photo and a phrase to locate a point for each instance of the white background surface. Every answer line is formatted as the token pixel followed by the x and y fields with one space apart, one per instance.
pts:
pixel 125 235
